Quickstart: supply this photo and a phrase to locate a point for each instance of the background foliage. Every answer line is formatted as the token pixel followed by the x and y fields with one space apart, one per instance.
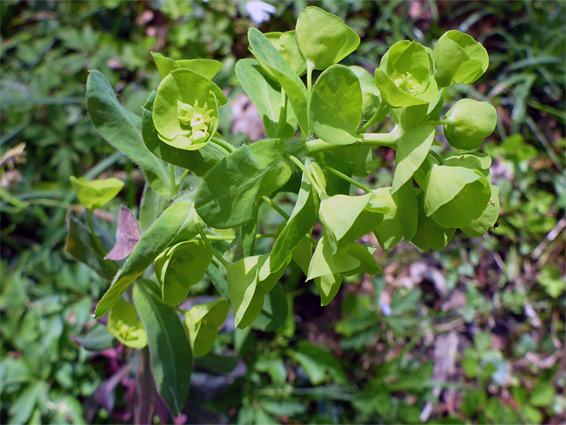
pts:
pixel 473 333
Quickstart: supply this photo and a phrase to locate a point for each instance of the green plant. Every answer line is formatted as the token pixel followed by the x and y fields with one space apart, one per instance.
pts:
pixel 318 144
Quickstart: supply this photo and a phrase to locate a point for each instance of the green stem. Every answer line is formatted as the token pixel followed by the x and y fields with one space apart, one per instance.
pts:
pixel 230 238
pixel 282 113
pixel 223 144
pixel 276 207
pixel 309 94
pixel 348 179
pixel 219 257
pixel 306 173
pixel 437 157
pixel 383 139
pixel 373 119
pixel 96 240
pixel 173 180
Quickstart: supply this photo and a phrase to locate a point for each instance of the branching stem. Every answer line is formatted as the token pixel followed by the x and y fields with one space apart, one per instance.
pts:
pixel 348 179
pixel 209 245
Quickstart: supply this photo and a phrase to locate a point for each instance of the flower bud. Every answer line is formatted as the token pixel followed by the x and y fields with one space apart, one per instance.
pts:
pixel 469 123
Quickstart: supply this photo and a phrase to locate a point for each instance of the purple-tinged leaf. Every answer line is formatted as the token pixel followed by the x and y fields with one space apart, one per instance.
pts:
pixel 127 236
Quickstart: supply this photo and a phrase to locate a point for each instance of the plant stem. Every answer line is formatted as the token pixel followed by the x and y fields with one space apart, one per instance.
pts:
pixel 348 179
pixel 218 256
pixel 96 240
pixel 223 144
pixel 275 207
pixel 173 180
pixel 305 172
pixel 437 157
pixel 230 238
pixel 373 119
pixel 282 113
pixel 309 94
pixel 383 139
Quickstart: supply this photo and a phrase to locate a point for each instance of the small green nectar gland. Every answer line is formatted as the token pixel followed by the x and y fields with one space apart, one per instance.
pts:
pixel 406 82
pixel 195 119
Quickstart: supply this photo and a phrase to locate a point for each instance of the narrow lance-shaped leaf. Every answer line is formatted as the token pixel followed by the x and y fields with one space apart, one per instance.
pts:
pixel 412 149
pixel 170 351
pixel 336 106
pixel 176 220
pixel 227 194
pixel 294 88
pixel 266 96
pixel 122 129
pixel 301 221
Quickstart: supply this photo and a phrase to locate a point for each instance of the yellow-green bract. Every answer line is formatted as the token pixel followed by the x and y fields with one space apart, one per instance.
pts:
pixel 126 326
pixel 96 193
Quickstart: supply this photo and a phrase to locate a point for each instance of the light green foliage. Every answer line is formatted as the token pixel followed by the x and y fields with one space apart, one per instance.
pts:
pixel 126 326
pixel 455 196
pixel 96 193
pixel 185 110
pixel 323 38
pixel 458 58
pixel 469 123
pixel 203 321
pixel 337 106
pixel 208 68
pixel 430 235
pixel 179 267
pixel 227 194
pixel 371 98
pixel 286 45
pixel 404 76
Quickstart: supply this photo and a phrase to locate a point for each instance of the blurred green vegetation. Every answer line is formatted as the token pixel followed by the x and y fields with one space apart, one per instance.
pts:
pixel 471 334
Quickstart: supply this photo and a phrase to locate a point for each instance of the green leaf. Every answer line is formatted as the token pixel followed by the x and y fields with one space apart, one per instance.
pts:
pixel 81 246
pixel 227 193
pixel 404 78
pixel 543 394
pixel 126 326
pixel 203 321
pixel 96 193
pixel 319 364
pixel 328 286
pixel 371 98
pixel 458 58
pixel 336 106
pixel 208 68
pixel 488 217
pixel 347 218
pixel 185 110
pixel 301 221
pixel 389 231
pixel 274 311
pixel 198 161
pixel 151 205
pixel 22 408
pixel 286 45
pixel 455 196
pixel 179 267
pixel 323 38
pixel 266 96
pixel 122 129
pixel 170 351
pixel 469 123
pixel 412 149
pixel 249 280
pixel 176 221
pixel 408 215
pixel 349 259
pixel 269 57
pixel 429 234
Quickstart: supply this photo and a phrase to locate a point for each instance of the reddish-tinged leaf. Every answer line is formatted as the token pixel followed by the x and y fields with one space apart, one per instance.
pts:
pixel 127 236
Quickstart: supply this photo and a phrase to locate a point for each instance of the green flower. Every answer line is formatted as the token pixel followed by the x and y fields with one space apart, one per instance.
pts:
pixel 185 111
pixel 404 76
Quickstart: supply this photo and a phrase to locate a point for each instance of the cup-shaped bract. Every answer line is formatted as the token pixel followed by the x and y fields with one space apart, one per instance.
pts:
pixel 95 194
pixel 185 110
pixel 126 326
pixel 179 267
pixel 458 58
pixel 470 122
pixel 404 76
pixel 429 234
pixel 455 196
pixel 203 321
pixel 208 68
pixel 323 38
pixel 286 45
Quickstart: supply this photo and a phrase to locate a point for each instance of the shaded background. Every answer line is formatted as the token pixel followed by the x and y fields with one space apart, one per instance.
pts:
pixel 473 333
